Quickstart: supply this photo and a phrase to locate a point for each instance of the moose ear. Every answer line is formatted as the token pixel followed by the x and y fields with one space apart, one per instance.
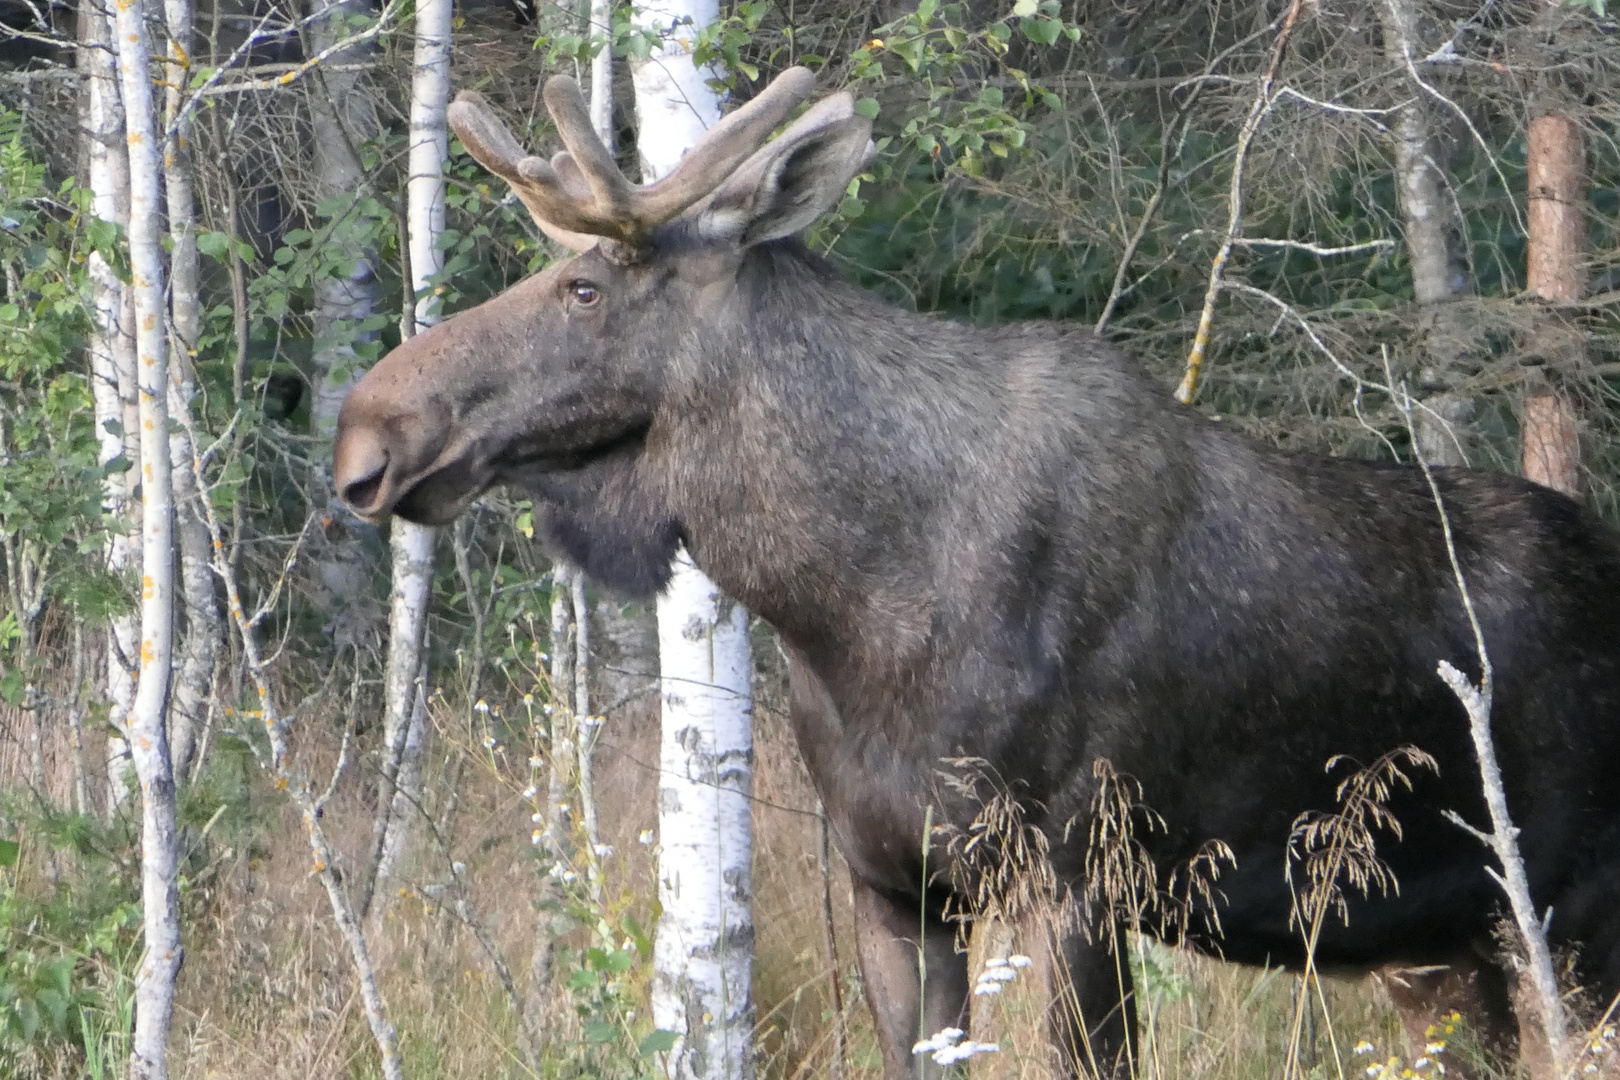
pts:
pixel 793 179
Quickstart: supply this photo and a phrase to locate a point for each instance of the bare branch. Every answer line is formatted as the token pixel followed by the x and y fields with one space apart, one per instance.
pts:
pixel 1263 102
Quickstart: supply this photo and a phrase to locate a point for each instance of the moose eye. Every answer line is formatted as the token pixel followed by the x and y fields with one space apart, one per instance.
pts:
pixel 583 293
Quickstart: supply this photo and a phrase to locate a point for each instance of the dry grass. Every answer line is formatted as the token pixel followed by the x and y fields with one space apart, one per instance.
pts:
pixel 267 990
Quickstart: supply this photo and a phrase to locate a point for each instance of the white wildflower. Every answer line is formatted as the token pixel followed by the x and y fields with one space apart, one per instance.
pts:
pixel 938 1041
pixel 950 1055
pixel 1019 960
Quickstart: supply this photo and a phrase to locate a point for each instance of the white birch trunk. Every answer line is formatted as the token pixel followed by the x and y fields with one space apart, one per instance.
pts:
pixel 148 738
pixel 412 545
pixel 203 626
pixel 111 376
pixel 704 950
pixel 602 73
pixel 341 118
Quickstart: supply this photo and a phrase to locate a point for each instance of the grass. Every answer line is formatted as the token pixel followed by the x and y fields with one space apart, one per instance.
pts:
pixel 267 990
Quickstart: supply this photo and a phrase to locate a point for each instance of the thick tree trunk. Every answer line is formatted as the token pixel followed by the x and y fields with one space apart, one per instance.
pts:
pixel 703 951
pixel 1556 211
pixel 148 737
pixel 112 369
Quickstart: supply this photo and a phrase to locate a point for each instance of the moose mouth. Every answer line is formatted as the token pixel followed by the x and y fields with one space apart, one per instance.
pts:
pixel 522 465
pixel 441 496
pixel 440 493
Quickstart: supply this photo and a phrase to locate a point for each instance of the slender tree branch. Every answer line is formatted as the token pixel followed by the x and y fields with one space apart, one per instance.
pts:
pixel 1263 102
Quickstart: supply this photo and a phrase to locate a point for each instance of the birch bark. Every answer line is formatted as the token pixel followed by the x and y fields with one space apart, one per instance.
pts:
pixel 112 374
pixel 203 625
pixel 704 947
pixel 341 117
pixel 148 738
pixel 413 544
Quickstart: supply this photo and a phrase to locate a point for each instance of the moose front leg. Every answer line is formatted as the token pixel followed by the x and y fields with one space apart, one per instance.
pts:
pixel 1092 1016
pixel 904 1007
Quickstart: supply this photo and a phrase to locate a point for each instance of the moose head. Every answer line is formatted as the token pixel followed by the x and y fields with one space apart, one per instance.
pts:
pixel 555 385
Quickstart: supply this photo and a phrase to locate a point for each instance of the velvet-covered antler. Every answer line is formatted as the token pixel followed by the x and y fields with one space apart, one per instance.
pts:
pixel 580 195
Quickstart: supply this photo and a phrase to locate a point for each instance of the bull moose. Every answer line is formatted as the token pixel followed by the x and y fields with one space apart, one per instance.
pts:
pixel 1009 544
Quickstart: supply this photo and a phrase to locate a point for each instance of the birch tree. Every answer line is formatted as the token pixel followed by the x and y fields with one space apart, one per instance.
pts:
pixel 342 117
pixel 703 952
pixel 147 727
pixel 112 370
pixel 412 545
pixel 203 625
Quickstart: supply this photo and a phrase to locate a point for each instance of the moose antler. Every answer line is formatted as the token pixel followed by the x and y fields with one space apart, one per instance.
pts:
pixel 581 194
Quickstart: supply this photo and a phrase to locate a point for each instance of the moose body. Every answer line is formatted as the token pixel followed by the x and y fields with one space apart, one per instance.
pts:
pixel 1010 545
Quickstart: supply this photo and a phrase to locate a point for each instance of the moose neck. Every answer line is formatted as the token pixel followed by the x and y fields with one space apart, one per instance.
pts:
pixel 842 464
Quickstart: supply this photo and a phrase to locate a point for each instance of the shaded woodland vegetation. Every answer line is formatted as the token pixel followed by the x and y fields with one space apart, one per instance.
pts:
pixel 1365 177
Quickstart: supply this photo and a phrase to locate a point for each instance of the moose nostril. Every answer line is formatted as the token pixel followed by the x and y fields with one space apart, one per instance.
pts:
pixel 360 493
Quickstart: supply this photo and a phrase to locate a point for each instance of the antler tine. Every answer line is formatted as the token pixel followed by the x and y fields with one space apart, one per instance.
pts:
pixel 582 194
pixel 552 200
pixel 484 136
pixel 724 147
pixel 567 107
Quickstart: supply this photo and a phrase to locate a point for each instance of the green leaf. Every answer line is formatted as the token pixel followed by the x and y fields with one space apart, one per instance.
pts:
pixel 991 96
pixel 9 850
pixel 659 1042
pixel 216 245
pixel 925 11
pixel 1041 31
pixel 12 687
pixel 1025 8
pixel 867 107
pixel 599 1031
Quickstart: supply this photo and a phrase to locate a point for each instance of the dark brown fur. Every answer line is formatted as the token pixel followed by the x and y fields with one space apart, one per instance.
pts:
pixel 1010 544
